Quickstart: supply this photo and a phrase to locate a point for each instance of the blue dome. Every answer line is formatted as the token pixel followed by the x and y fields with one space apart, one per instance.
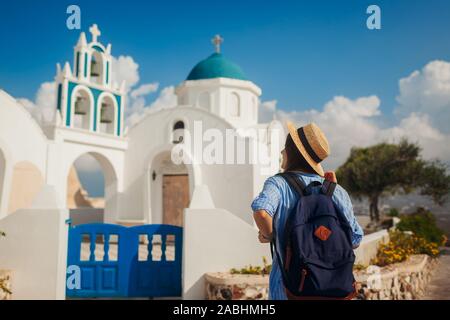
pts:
pixel 216 66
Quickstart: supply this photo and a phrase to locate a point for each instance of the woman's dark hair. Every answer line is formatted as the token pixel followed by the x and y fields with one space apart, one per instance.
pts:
pixel 295 160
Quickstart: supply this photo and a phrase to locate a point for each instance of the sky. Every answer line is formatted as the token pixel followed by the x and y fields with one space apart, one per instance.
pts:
pixel 314 60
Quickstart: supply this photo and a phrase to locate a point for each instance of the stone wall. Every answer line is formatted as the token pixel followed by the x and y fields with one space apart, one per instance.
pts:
pixel 5 280
pixel 226 286
pixel 400 281
pixel 369 245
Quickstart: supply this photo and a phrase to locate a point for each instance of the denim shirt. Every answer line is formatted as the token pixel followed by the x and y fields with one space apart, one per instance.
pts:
pixel 278 199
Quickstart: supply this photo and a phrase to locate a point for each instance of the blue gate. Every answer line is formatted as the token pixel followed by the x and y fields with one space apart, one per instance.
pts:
pixel 117 261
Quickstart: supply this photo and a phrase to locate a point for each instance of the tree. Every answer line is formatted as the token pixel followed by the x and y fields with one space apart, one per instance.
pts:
pixel 389 168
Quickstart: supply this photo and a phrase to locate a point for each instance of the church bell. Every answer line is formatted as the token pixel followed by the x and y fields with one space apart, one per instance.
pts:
pixel 95 68
pixel 79 106
pixel 106 114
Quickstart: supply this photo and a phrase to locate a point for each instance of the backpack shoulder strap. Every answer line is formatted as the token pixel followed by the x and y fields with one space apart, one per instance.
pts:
pixel 294 182
pixel 328 188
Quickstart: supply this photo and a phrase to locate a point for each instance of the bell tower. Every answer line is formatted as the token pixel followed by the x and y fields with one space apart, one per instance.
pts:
pixel 87 98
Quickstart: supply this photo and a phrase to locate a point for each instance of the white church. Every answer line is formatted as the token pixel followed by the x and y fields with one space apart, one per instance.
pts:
pixel 139 176
pixel 143 185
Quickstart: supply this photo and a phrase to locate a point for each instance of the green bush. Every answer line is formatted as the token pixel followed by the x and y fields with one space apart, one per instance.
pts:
pixel 423 224
pixel 254 269
pixel 393 212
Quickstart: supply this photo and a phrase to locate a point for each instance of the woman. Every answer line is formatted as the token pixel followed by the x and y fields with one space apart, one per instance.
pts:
pixel 305 149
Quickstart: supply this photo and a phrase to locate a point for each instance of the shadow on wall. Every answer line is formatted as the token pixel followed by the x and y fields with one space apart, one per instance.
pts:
pixel 86 215
pixel 77 196
pixel 27 181
pixel 36 237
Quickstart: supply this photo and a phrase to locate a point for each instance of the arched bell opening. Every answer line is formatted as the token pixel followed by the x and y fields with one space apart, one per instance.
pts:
pixel 97 68
pixel 82 106
pixel 107 115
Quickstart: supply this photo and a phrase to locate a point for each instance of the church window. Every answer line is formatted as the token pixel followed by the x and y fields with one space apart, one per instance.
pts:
pixel 178 132
pixel 235 105
pixel 178 125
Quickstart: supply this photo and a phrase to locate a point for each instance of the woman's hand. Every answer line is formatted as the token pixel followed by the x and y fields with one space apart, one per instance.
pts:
pixel 264 239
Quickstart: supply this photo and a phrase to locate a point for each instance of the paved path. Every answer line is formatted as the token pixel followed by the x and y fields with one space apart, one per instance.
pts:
pixel 439 286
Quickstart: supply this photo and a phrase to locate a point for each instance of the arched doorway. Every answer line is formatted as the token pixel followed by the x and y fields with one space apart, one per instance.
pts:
pixel 91 189
pixel 169 189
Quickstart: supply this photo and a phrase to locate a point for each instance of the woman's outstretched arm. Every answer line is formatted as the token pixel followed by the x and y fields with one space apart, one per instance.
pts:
pixel 264 222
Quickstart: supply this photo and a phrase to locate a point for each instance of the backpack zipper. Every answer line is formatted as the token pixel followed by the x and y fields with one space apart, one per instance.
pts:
pixel 302 280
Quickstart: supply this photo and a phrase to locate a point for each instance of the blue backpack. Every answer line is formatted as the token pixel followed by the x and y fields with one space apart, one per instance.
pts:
pixel 318 249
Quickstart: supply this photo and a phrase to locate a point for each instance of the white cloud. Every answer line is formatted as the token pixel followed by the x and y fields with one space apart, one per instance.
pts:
pixel 166 99
pixel 137 99
pixel 427 92
pixel 124 68
pixel 144 89
pixel 418 128
pixel 44 106
pixel 267 111
pixel 46 95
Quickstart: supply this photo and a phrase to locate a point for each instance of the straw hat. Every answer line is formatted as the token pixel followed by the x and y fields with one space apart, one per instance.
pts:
pixel 312 144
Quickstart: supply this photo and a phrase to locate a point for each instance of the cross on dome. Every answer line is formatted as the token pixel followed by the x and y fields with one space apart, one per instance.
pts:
pixel 95 31
pixel 217 41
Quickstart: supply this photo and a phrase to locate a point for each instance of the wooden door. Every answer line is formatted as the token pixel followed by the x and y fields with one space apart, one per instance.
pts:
pixel 175 198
